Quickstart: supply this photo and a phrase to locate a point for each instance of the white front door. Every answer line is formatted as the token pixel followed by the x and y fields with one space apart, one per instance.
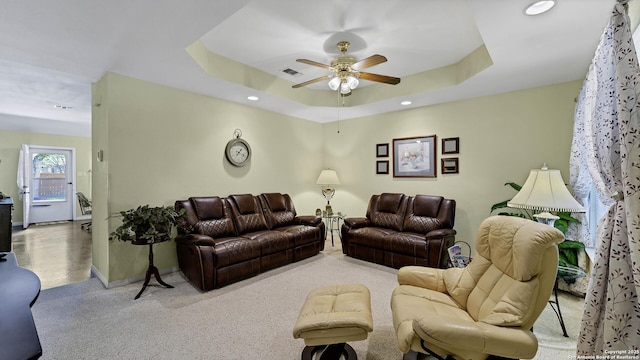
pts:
pixel 50 178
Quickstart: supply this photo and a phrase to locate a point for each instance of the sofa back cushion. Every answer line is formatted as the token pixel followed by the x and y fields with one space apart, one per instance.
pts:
pixel 426 213
pixel 278 209
pixel 387 210
pixel 247 213
pixel 208 216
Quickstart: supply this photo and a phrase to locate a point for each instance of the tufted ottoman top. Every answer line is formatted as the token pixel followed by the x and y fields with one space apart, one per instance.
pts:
pixel 335 314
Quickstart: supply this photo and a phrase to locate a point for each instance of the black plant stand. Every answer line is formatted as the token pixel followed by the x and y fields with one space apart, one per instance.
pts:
pixel 151 270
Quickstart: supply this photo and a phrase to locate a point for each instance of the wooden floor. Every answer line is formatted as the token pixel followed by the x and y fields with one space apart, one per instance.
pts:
pixel 59 253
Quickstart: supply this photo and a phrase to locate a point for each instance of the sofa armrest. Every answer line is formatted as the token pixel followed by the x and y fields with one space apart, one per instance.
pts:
pixel 356 222
pixel 309 220
pixel 424 277
pixel 440 233
pixel 195 239
pixel 510 342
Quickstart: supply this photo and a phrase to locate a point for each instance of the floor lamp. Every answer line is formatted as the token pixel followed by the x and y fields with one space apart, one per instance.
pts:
pixel 328 178
pixel 546 192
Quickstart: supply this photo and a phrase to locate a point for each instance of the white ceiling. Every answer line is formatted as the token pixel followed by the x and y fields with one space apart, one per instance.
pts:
pixel 51 51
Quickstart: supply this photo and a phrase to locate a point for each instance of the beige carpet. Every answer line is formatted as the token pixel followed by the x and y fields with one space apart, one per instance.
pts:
pixel 252 319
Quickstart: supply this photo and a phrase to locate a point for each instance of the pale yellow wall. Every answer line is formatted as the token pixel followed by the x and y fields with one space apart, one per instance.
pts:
pixel 165 144
pixel 100 204
pixel 10 143
pixel 502 138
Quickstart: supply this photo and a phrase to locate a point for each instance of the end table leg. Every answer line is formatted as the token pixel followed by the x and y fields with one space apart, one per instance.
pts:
pixel 151 270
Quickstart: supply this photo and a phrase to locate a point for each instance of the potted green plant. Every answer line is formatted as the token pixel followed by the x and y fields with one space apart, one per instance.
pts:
pixel 146 224
pixel 568 249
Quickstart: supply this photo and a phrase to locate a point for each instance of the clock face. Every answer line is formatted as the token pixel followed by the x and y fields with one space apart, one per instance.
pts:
pixel 238 152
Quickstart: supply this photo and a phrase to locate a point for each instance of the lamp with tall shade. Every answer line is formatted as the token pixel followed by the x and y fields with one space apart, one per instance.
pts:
pixel 327 178
pixel 546 192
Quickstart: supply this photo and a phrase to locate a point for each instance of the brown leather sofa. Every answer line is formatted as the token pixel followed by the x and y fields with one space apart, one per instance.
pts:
pixel 225 240
pixel 401 230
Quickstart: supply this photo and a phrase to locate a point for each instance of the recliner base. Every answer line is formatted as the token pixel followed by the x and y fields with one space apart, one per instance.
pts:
pixel 330 352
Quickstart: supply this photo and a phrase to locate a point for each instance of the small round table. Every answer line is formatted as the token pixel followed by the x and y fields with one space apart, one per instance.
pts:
pixel 151 269
pixel 333 223
pixel 564 273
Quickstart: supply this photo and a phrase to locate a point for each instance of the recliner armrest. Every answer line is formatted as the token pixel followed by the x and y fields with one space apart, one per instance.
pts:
pixel 424 277
pixel 477 336
pixel 440 233
pixel 195 239
pixel 309 220
pixel 357 222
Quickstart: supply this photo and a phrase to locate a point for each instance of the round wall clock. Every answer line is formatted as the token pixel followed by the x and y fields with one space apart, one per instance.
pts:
pixel 238 151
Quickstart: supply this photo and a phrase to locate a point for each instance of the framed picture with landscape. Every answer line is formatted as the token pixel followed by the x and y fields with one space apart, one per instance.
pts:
pixel 414 157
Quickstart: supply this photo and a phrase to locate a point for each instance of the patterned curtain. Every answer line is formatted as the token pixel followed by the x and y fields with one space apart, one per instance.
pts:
pixel 606 149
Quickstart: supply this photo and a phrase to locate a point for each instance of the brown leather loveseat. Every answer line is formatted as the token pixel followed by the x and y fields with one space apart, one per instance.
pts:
pixel 225 240
pixel 401 230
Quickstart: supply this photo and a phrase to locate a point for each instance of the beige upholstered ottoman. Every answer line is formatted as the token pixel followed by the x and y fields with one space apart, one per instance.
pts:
pixel 331 316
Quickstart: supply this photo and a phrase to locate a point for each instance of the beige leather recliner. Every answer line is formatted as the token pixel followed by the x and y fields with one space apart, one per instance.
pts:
pixel 487 308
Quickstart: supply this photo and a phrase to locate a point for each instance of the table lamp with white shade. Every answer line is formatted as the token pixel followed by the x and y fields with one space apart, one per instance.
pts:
pixel 328 178
pixel 546 192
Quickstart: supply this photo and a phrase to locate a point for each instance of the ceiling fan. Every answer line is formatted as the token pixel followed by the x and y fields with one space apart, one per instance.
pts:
pixel 346 71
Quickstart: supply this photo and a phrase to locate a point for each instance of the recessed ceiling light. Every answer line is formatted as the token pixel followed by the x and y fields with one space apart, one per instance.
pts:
pixel 253 98
pixel 405 103
pixel 539 7
pixel 63 107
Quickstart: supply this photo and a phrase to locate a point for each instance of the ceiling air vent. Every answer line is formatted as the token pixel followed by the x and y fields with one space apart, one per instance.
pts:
pixel 291 72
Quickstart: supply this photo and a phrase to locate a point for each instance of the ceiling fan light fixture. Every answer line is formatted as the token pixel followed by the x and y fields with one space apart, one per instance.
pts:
pixel 539 7
pixel 334 83
pixel 352 82
pixel 345 88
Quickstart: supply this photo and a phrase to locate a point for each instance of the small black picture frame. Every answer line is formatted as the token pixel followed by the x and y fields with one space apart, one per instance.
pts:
pixel 451 145
pixel 449 165
pixel 382 167
pixel 382 150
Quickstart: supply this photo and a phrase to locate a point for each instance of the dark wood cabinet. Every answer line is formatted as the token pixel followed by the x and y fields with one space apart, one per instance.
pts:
pixel 6 206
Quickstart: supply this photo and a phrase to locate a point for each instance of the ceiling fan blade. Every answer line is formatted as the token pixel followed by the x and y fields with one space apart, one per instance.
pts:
pixel 369 62
pixel 380 78
pixel 312 81
pixel 315 63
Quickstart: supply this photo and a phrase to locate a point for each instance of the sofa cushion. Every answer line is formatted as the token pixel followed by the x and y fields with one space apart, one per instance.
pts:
pixel 390 203
pixel 422 212
pixel 213 217
pixel 275 201
pixel 247 213
pixel 279 210
pixel 389 211
pixel 426 205
pixel 302 234
pixel 271 241
pixel 207 208
pixel 406 243
pixel 245 203
pixel 372 236
pixel 235 250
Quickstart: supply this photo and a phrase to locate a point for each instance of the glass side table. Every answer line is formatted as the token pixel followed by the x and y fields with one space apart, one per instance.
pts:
pixel 332 221
pixel 564 273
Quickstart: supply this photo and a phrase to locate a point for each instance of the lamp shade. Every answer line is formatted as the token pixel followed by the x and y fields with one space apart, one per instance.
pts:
pixel 328 177
pixel 334 83
pixel 545 190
